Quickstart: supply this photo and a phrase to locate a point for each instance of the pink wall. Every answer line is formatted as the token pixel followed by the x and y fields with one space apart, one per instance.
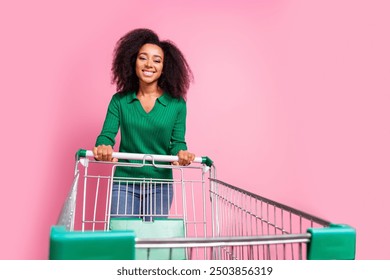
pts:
pixel 290 99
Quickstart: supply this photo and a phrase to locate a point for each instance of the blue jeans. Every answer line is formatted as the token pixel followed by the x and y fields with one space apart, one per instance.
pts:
pixel 146 200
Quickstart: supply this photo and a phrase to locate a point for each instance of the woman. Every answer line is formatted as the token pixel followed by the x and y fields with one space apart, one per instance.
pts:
pixel 152 79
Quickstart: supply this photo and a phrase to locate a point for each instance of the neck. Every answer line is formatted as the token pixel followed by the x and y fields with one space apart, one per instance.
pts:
pixel 149 90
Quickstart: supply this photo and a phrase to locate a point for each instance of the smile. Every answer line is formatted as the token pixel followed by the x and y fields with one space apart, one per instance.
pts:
pixel 148 73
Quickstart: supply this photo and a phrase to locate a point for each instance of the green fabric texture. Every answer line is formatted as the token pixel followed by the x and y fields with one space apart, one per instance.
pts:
pixel 161 131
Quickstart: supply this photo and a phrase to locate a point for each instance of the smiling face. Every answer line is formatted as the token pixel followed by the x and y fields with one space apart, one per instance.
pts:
pixel 149 63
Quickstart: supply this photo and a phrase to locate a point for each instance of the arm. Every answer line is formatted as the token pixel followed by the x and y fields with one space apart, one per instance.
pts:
pixel 178 144
pixel 106 139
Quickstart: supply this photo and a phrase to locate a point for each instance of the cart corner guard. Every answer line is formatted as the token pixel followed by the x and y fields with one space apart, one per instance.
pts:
pixel 81 153
pixel 336 242
pixel 96 245
pixel 207 161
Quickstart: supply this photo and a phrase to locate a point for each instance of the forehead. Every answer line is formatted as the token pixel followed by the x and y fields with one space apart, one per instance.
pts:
pixel 152 50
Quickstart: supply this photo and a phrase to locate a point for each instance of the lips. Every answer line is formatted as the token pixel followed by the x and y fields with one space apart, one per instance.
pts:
pixel 148 73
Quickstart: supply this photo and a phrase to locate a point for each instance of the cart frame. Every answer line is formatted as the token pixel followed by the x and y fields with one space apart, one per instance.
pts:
pixel 244 225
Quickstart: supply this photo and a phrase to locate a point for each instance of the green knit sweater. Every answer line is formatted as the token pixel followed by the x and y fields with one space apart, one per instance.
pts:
pixel 161 131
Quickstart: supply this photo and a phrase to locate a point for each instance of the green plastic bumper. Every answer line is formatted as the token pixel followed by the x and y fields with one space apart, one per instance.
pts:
pixel 336 242
pixel 97 245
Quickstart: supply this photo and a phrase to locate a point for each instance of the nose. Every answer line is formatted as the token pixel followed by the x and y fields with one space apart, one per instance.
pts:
pixel 148 63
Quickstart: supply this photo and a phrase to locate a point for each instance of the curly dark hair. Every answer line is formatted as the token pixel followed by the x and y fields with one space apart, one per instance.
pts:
pixel 176 76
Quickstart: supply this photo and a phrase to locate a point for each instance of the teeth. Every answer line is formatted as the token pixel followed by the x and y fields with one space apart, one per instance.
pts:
pixel 147 73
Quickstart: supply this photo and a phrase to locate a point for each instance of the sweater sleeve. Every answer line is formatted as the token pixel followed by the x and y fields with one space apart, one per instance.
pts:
pixel 111 124
pixel 178 134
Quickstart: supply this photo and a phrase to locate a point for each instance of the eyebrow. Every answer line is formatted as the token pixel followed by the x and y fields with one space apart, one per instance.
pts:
pixel 155 55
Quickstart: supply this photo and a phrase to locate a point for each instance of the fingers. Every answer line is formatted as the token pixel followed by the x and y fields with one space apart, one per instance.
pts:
pixel 185 157
pixel 95 152
pixel 103 152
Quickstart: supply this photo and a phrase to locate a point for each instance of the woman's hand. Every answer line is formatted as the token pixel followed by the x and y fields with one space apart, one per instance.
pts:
pixel 185 158
pixel 103 152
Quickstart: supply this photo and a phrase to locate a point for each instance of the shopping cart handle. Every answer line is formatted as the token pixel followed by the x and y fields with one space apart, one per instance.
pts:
pixel 133 156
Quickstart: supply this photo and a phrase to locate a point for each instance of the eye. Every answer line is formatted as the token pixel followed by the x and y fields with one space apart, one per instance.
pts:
pixel 142 58
pixel 157 61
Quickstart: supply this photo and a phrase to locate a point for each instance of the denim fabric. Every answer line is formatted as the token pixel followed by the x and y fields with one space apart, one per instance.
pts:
pixel 144 200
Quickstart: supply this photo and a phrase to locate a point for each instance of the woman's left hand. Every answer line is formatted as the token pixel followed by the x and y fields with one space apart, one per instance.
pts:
pixel 185 158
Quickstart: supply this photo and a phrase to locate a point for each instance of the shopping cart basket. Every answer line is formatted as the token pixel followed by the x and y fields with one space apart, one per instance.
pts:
pixel 204 218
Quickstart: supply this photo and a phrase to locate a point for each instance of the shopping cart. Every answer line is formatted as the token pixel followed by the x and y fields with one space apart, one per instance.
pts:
pixel 204 218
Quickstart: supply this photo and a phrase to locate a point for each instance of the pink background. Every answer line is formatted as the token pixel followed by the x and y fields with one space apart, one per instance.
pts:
pixel 291 100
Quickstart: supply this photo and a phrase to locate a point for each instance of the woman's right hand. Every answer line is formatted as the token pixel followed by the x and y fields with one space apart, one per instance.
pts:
pixel 103 152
